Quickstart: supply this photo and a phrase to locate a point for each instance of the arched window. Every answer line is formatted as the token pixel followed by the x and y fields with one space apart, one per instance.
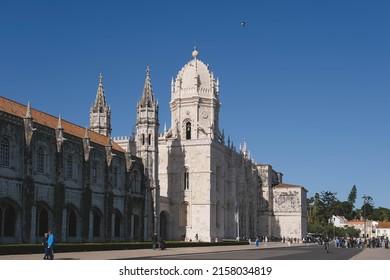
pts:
pixel 137 228
pixel 143 139
pixel 69 166
pixel 136 182
pixel 94 172
pixel 9 221
pixel 42 221
pixel 96 224
pixel 115 177
pixel 163 224
pixel 117 225
pixel 188 130
pixel 4 152
pixel 72 224
pixel 41 159
pixel 186 177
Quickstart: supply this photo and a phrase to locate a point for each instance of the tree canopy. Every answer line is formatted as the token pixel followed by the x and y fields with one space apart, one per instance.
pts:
pixel 321 207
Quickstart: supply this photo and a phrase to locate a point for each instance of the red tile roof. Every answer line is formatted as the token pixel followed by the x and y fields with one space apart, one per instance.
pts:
pixel 383 225
pixel 19 110
pixel 356 222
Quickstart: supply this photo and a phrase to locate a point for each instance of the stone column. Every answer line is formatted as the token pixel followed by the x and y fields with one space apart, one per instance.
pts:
pixel 33 229
pixel 132 227
pixel 112 226
pixel 90 233
pixel 64 225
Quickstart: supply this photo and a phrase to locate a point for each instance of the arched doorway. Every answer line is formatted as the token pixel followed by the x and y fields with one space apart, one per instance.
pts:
pixel 137 228
pixel 72 223
pixel 42 221
pixel 97 224
pixel 9 221
pixel 163 224
pixel 118 220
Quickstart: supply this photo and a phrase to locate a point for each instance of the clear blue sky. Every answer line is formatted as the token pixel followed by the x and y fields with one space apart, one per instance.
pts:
pixel 307 83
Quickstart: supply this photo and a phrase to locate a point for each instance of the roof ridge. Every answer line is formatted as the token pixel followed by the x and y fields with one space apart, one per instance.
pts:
pixel 18 109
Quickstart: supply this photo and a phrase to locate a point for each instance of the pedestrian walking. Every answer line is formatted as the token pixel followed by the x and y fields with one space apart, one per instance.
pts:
pixel 44 244
pixel 326 243
pixel 162 244
pixel 51 242
pixel 257 242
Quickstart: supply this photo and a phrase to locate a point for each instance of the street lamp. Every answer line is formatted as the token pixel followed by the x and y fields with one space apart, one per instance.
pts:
pixel 364 213
pixel 237 218
pixel 334 231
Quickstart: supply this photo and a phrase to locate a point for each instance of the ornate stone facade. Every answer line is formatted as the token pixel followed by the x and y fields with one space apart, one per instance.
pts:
pixel 59 176
pixel 187 183
pixel 207 189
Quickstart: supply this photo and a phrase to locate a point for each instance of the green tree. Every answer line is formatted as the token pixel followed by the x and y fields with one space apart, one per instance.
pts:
pixel 352 232
pixel 327 202
pixel 310 210
pixel 380 214
pixel 313 208
pixel 368 206
pixel 315 228
pixel 341 208
pixel 352 196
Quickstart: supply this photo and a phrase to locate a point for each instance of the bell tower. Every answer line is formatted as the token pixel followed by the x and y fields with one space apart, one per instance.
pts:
pixel 195 102
pixel 100 113
pixel 147 125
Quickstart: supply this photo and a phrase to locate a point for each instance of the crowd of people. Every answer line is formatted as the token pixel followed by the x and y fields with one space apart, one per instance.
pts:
pixel 373 242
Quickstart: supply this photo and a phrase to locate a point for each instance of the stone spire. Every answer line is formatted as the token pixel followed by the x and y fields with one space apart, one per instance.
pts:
pixel 28 125
pixel 147 99
pixel 147 126
pixel 59 134
pixel 28 111
pixel 100 113
pixel 100 101
pixel 86 144
pixel 245 149
pixel 59 126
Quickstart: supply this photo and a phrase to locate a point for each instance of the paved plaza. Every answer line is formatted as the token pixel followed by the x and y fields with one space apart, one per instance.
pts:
pixel 365 254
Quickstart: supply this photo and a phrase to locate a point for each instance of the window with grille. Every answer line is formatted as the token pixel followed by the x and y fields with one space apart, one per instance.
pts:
pixel 188 130
pixel 4 152
pixel 115 177
pixel 69 167
pixel 186 181
pixel 94 172
pixel 40 159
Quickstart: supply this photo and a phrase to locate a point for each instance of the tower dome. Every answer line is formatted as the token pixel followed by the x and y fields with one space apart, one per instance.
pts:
pixel 195 78
pixel 195 102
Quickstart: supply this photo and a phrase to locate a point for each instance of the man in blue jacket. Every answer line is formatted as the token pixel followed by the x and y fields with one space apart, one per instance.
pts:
pixel 51 242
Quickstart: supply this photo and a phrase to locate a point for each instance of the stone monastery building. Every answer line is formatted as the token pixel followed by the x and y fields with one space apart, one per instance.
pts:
pixel 186 183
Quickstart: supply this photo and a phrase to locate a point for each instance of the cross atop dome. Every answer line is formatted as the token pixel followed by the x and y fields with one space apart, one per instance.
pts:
pixel 195 53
